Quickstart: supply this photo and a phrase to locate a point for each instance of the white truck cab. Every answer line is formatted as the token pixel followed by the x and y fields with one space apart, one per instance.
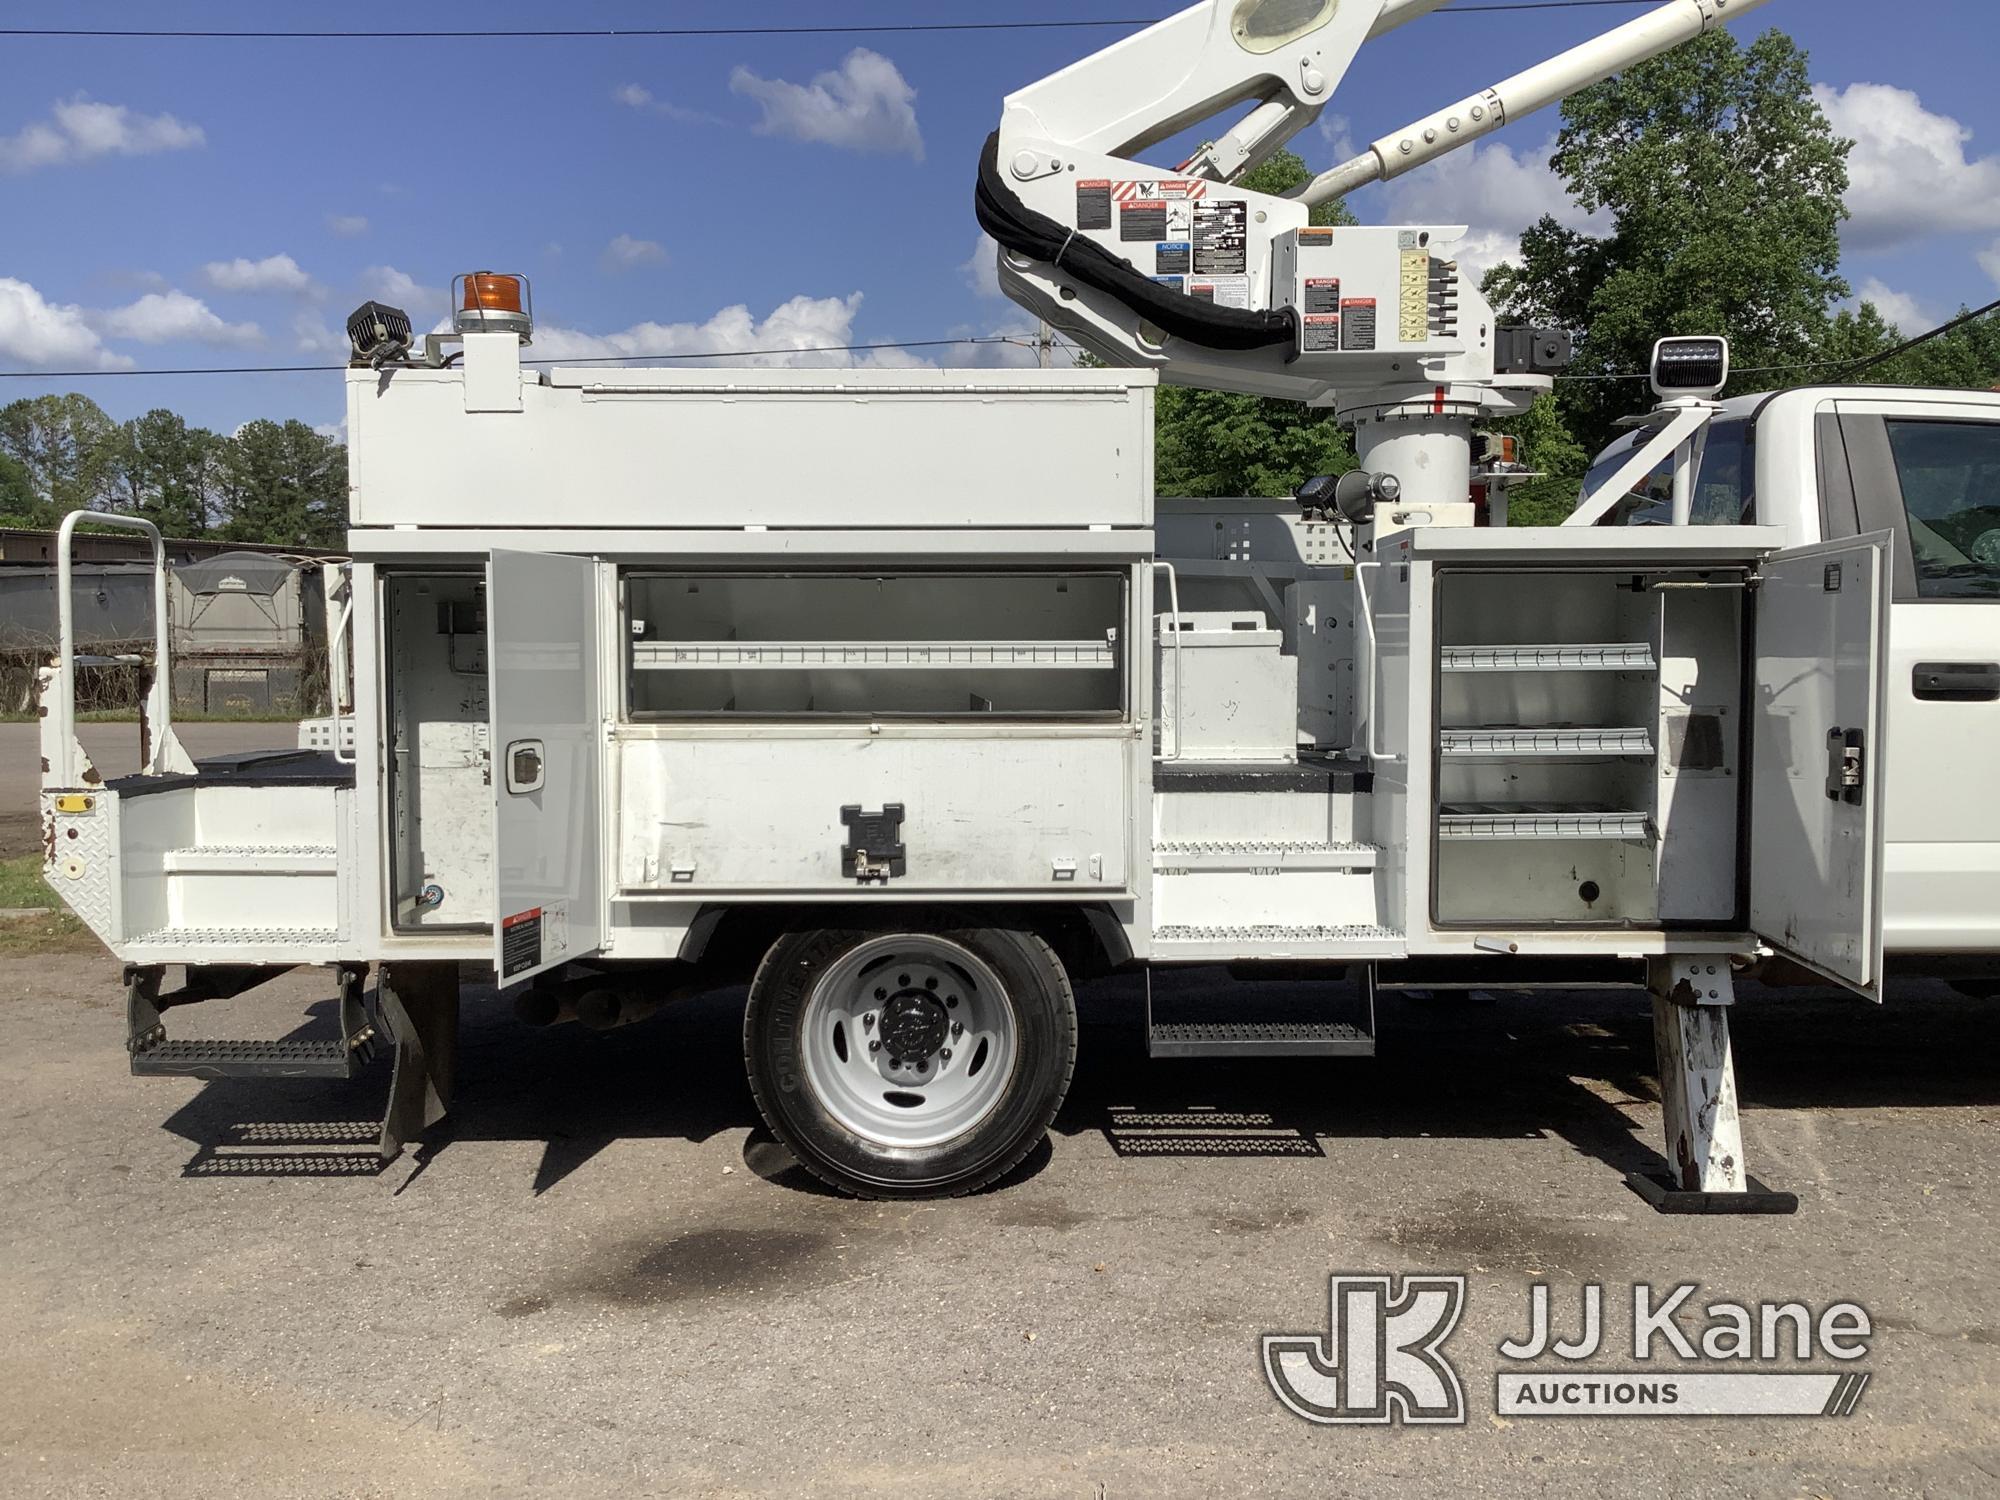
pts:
pixel 1825 463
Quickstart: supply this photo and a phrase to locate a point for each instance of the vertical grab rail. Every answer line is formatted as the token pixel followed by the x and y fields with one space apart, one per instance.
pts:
pixel 335 577
pixel 1365 614
pixel 159 751
pixel 1174 620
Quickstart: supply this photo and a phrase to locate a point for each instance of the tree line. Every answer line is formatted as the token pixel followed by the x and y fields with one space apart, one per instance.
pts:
pixel 276 482
pixel 1720 185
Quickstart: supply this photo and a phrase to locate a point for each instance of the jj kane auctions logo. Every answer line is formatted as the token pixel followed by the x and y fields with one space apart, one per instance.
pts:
pixel 1382 1357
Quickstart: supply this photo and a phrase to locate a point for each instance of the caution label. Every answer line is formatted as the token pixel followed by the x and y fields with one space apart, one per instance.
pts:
pixel 1093 203
pixel 1143 219
pixel 1357 323
pixel 1220 241
pixel 1322 295
pixel 1173 258
pixel 520 942
pixel 1320 332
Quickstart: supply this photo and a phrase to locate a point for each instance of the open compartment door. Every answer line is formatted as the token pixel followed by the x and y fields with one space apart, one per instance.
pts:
pixel 547 765
pixel 1817 762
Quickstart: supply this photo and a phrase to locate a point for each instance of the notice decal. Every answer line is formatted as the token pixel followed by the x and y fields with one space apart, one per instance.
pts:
pixel 520 942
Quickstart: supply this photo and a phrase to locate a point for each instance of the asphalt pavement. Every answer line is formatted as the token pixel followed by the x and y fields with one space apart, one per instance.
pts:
pixel 605 1279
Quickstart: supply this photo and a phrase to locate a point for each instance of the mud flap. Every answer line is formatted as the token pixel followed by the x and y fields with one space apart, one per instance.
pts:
pixel 419 1004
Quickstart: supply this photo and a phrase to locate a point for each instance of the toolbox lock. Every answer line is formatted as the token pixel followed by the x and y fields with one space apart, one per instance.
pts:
pixel 873 853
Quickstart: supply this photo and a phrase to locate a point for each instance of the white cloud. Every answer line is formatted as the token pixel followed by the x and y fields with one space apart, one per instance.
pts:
pixel 347 226
pixel 80 128
pixel 1493 190
pixel 981 269
pixel 864 105
pixel 172 317
pixel 388 284
pixel 1989 261
pixel 637 96
pixel 45 335
pixel 801 333
pixel 314 335
pixel 274 273
pixel 1338 133
pixel 626 253
pixel 1908 175
pixel 1903 311
pixel 335 430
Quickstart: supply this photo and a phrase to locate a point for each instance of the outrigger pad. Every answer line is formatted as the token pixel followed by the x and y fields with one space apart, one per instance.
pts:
pixel 1659 1190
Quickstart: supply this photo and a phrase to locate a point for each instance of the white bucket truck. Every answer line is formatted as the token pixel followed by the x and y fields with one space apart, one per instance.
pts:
pixel 896 694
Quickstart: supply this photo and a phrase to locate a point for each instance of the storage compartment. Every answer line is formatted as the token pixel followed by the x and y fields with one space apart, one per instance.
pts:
pixel 1589 731
pixel 933 645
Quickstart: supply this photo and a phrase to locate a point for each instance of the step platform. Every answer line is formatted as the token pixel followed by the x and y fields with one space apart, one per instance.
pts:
pixel 1313 1020
pixel 245 1059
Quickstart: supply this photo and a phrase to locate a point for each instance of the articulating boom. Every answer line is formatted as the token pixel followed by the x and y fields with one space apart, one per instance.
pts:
pixel 1218 287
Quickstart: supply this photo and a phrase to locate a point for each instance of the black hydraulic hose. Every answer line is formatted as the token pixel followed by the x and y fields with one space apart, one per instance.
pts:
pixel 1019 228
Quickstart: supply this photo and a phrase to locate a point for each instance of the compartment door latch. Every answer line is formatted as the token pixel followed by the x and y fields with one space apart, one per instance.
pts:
pixel 1846 770
pixel 873 854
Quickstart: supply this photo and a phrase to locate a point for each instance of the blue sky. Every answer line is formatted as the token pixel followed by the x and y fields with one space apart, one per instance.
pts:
pixel 184 202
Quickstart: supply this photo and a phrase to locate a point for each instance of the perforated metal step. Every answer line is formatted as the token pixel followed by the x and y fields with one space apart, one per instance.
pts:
pixel 1621 656
pixel 1176 943
pixel 1514 743
pixel 222 937
pixel 1258 1039
pixel 253 1059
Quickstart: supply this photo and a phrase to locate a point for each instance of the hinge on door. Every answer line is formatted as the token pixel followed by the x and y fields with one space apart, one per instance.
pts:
pixel 1845 769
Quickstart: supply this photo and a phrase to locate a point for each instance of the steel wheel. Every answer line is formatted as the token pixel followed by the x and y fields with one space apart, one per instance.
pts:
pixel 909 1040
pixel 918 1061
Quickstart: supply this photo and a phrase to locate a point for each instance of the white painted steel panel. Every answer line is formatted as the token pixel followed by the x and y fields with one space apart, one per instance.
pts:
pixel 754 813
pixel 1816 860
pixel 690 448
pixel 548 862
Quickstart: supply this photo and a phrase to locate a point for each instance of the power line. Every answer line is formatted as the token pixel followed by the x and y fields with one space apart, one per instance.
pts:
pixel 587 359
pixel 689 32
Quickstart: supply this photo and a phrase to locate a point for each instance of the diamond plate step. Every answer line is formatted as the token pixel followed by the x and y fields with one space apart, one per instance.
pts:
pixel 1184 944
pixel 229 1059
pixel 1258 1039
pixel 219 937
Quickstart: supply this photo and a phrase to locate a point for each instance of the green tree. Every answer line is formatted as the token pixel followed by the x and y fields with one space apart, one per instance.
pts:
pixel 167 472
pixel 284 484
pixel 19 504
pixel 1545 445
pixel 1723 184
pixel 66 446
pixel 1221 443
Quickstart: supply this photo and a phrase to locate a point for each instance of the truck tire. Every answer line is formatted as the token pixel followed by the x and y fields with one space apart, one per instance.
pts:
pixel 924 1060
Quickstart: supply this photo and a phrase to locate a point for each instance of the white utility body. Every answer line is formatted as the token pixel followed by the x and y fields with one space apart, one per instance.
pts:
pixel 899 694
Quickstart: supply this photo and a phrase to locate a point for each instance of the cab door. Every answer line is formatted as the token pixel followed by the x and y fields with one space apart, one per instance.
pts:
pixel 547 762
pixel 1817 758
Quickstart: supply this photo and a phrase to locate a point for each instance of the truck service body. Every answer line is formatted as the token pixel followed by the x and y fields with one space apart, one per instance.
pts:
pixel 899 694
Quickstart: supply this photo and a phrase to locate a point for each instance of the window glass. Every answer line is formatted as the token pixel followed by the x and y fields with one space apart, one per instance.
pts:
pixel 1725 491
pixel 1950 473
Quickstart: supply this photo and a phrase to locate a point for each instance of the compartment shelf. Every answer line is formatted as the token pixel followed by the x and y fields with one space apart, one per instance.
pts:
pixel 1527 820
pixel 1631 656
pixel 788 656
pixel 1511 742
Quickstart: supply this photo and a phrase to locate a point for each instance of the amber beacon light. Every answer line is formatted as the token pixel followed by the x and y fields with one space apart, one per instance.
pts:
pixel 492 302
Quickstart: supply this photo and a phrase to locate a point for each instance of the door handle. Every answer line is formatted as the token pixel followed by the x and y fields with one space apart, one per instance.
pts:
pixel 1957 681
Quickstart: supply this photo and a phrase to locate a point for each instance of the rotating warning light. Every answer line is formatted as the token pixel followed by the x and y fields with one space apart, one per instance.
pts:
pixel 492 302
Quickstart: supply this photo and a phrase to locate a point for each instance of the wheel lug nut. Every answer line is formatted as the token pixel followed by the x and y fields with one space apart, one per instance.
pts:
pixel 868 1020
pixel 958 1028
pixel 874 1046
pixel 945 1056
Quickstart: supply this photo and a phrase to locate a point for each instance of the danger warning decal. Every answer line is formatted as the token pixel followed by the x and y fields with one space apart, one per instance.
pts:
pixel 1322 294
pixel 1093 203
pixel 1188 188
pixel 520 942
pixel 1319 331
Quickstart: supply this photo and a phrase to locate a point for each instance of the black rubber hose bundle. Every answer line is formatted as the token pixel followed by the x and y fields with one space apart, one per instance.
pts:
pixel 1019 228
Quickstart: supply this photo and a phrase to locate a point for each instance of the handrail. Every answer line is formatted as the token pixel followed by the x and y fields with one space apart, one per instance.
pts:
pixel 1174 622
pixel 1365 614
pixel 158 749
